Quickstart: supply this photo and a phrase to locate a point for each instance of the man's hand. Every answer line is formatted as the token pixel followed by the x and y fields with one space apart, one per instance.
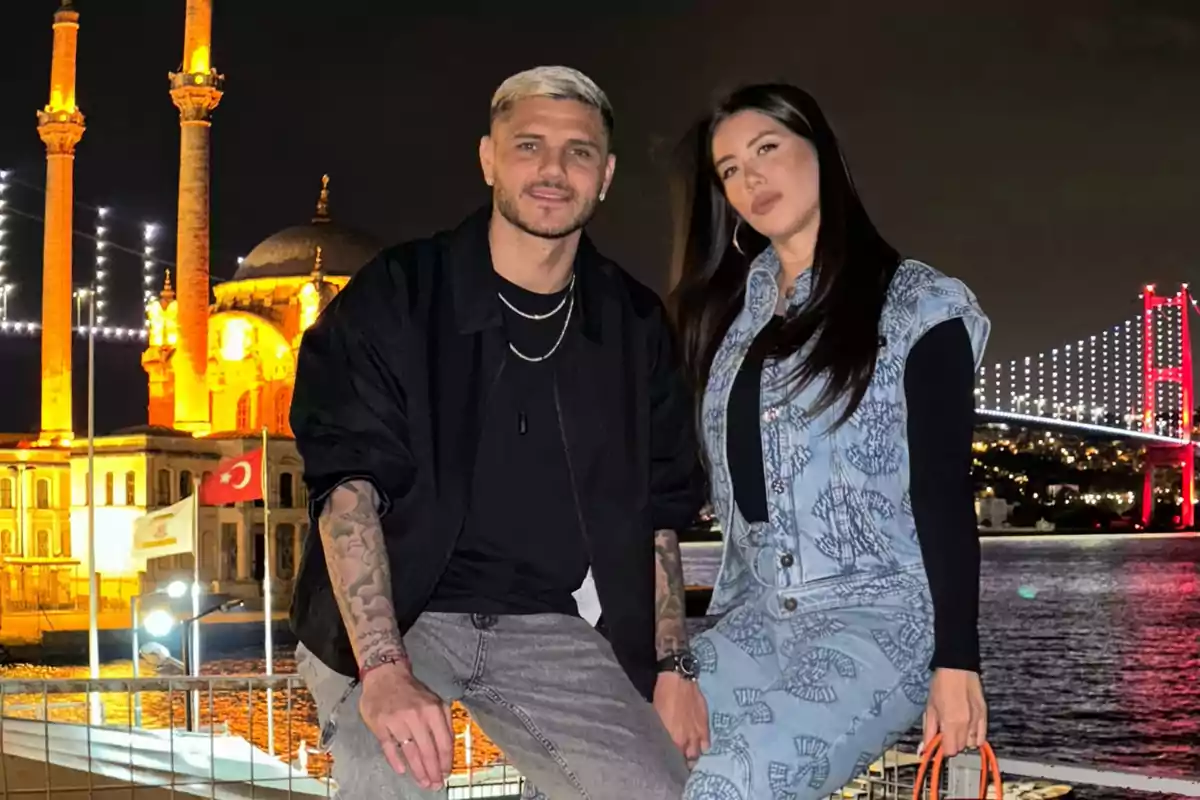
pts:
pixel 683 711
pixel 412 724
pixel 957 710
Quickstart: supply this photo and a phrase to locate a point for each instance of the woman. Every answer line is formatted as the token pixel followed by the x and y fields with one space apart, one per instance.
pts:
pixel 837 419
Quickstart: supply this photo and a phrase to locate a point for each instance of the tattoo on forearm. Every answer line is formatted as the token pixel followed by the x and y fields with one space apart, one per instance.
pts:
pixel 355 554
pixel 670 634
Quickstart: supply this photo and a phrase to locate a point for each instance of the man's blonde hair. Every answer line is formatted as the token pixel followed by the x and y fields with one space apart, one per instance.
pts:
pixel 560 83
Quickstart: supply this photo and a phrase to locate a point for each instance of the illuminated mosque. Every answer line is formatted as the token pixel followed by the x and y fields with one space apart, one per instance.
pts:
pixel 220 371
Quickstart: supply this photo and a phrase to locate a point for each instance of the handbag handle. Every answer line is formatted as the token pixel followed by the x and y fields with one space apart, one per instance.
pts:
pixel 989 767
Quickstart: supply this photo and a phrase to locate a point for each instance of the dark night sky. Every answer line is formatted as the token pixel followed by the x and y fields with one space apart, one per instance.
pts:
pixel 1046 153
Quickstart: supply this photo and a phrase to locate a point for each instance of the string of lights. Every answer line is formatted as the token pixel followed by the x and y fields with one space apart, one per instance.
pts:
pixel 1094 380
pixel 1055 408
pixel 1129 377
pixel 152 267
pixel 1026 395
pixel 108 332
pixel 4 287
pixel 101 273
pixel 1040 405
pixel 1070 406
pixel 14 179
pixel 110 244
pixel 1104 363
pixel 1133 400
pixel 106 247
pixel 149 231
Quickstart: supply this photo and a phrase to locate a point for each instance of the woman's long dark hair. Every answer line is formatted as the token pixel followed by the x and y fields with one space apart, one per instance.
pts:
pixel 852 266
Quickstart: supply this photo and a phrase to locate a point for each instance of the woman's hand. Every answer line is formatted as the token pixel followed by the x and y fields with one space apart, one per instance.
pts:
pixel 956 709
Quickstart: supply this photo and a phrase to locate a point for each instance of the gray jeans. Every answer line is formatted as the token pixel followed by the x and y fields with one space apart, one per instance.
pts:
pixel 545 688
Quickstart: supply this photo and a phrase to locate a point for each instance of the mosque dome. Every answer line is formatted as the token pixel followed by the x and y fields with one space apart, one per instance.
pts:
pixel 290 252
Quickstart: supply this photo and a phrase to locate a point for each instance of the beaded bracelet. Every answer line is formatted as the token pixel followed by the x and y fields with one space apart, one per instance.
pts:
pixel 381 661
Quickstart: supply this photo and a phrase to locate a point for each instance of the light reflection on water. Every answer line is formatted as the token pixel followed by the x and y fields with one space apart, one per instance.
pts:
pixel 1091 654
pixel 1091 650
pixel 241 712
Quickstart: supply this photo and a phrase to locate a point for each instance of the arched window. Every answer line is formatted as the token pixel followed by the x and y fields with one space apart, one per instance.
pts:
pixel 108 489
pixel 285 548
pixel 185 484
pixel 130 488
pixel 227 568
pixel 243 412
pixel 283 404
pixel 162 488
pixel 43 544
pixel 7 543
pixel 6 493
pixel 287 497
pixel 43 493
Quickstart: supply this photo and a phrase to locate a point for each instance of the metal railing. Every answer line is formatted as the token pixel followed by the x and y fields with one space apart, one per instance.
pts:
pixel 964 777
pixel 892 776
pixel 231 752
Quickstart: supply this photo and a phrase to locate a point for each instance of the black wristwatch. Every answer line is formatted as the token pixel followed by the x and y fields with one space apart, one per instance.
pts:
pixel 682 664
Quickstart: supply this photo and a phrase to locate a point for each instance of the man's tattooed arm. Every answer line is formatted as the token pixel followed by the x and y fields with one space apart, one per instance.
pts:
pixel 670 635
pixel 352 537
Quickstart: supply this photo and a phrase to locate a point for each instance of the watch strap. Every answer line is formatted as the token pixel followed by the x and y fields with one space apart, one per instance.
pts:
pixel 676 662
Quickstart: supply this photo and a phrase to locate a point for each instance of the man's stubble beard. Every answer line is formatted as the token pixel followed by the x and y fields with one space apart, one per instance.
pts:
pixel 509 209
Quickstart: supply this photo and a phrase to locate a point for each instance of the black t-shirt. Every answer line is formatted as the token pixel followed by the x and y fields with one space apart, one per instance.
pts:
pixel 521 550
pixel 938 385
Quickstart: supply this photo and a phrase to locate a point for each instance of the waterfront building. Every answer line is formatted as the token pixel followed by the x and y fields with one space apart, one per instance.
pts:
pixel 220 370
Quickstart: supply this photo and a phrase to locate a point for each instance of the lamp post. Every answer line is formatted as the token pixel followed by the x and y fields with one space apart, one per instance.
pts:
pixel 93 576
pixel 134 622
pixel 162 619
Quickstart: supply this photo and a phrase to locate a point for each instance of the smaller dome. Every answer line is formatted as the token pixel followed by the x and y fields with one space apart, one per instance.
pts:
pixel 292 252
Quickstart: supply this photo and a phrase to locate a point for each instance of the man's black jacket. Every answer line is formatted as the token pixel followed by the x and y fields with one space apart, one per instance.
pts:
pixel 390 387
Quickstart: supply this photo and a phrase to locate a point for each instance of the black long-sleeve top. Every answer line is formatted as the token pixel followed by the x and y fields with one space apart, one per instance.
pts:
pixel 938 384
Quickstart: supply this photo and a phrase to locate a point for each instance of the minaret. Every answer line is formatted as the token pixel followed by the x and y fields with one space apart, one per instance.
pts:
pixel 60 125
pixel 196 91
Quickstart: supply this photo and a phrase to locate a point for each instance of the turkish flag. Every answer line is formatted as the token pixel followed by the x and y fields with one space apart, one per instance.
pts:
pixel 235 480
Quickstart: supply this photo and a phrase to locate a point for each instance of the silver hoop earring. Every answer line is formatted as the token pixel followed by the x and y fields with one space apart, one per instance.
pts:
pixel 736 227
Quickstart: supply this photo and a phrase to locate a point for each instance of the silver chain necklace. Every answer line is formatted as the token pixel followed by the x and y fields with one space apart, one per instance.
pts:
pixel 540 317
pixel 561 335
pixel 568 298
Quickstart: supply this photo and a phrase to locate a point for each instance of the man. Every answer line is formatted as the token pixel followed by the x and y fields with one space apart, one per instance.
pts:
pixel 488 419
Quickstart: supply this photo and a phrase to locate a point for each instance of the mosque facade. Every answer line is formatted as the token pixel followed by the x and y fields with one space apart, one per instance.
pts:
pixel 220 369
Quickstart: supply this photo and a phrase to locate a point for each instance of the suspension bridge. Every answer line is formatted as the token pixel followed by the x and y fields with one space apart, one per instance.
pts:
pixel 1130 381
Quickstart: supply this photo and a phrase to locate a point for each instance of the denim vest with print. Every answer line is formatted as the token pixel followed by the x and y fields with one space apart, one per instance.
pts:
pixel 840 524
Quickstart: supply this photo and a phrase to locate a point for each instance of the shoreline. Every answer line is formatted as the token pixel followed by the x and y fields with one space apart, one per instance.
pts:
pixel 997 534
pixel 23 639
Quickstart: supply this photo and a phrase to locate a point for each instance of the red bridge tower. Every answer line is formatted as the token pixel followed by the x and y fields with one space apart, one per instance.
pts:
pixel 1181 455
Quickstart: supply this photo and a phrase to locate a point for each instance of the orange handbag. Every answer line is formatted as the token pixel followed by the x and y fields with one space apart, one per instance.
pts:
pixel 989 768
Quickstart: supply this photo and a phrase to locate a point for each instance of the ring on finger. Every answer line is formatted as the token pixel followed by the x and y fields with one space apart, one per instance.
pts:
pixel 409 740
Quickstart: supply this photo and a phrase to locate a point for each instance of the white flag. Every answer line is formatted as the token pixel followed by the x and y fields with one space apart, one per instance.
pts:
pixel 165 532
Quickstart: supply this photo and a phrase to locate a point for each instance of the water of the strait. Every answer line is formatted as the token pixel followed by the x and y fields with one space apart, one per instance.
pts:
pixel 1091 650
